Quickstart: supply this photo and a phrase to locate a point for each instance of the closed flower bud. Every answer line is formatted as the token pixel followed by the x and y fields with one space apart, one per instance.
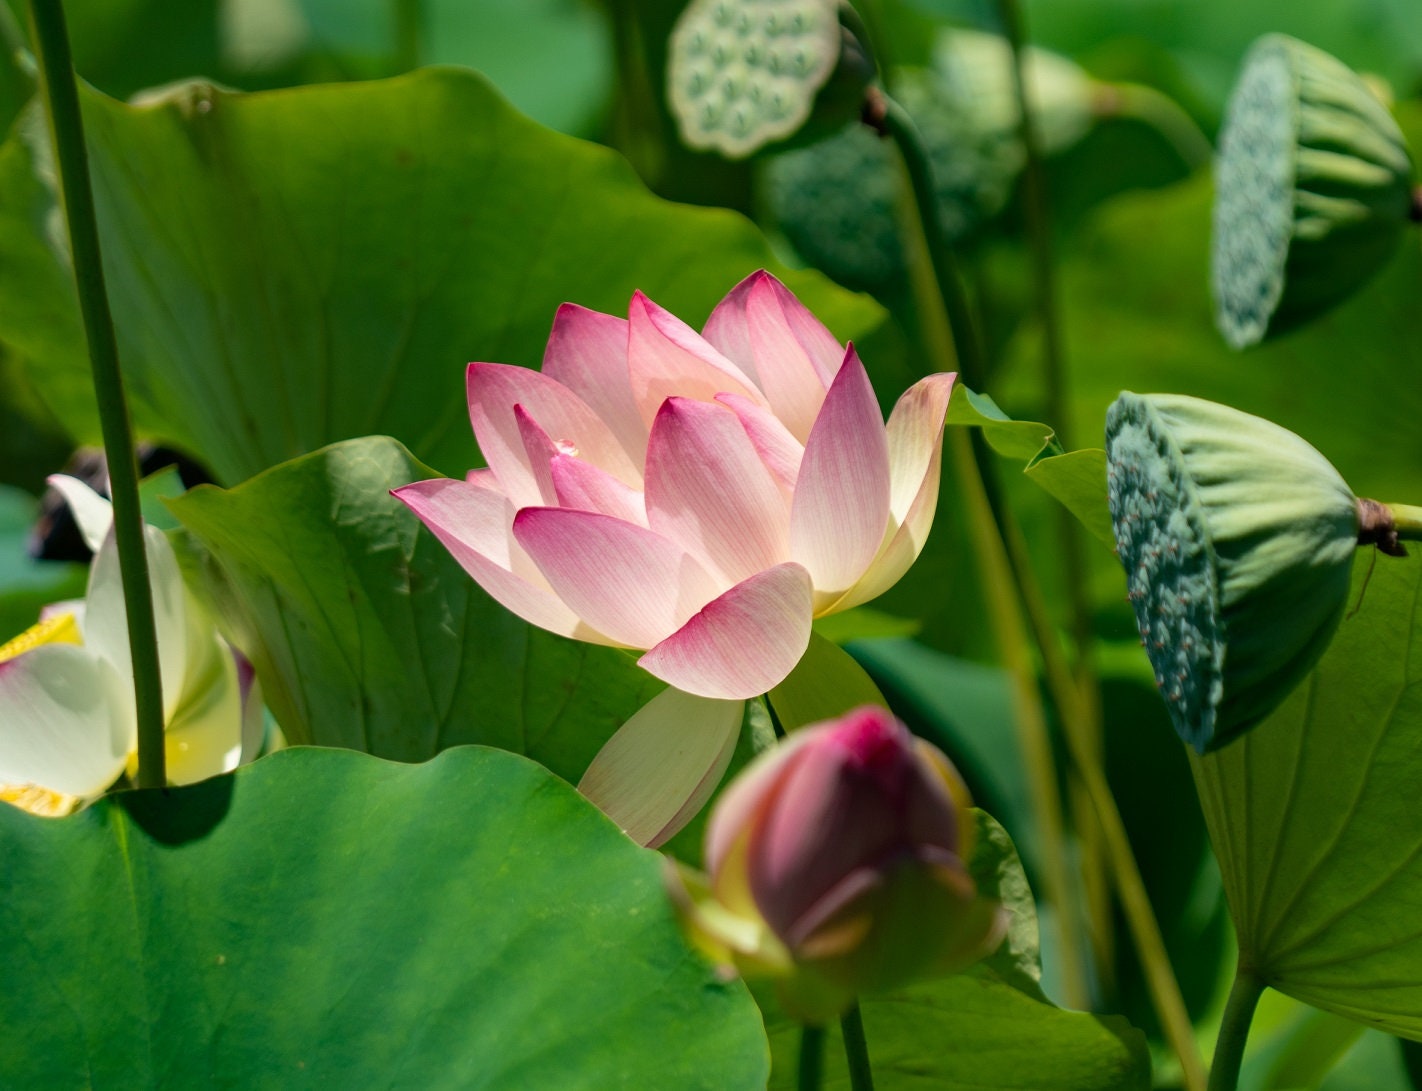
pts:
pixel 1237 538
pixel 1312 190
pixel 838 864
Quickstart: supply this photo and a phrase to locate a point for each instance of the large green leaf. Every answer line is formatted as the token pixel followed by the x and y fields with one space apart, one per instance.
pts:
pixel 324 919
pixel 987 1028
pixel 367 634
pixel 1314 817
pixel 291 268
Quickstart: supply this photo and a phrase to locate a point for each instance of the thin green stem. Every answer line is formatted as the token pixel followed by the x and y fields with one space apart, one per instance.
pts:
pixel 1037 212
pixel 1234 1030
pixel 891 119
pixel 62 98
pixel 811 1068
pixel 856 1050
pixel 1162 113
pixel 1407 518
pixel 409 34
pixel 944 320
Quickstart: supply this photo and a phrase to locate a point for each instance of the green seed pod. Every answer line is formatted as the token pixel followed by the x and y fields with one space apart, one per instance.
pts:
pixel 1312 190
pixel 1237 538
pixel 744 74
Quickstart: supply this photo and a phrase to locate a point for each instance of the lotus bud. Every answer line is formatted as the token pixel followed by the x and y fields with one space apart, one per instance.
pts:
pixel 1237 538
pixel 838 865
pixel 1312 190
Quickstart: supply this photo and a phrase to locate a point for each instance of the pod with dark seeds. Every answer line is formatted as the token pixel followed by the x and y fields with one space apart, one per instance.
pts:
pixel 1237 538
pixel 1312 190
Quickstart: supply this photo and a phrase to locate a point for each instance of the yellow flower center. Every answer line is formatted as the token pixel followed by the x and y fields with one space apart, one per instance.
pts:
pixel 37 800
pixel 59 629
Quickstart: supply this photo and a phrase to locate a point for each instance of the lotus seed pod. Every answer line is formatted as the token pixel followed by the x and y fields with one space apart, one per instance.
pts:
pixel 1237 538
pixel 742 74
pixel 1312 190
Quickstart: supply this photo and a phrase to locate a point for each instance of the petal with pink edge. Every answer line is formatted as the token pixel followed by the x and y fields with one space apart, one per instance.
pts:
pixel 540 452
pixel 756 319
pixel 494 390
pixel 587 353
pixel 841 509
pixel 743 643
pixel 778 449
pixel 915 435
pixel 708 491
pixel 667 358
pixel 662 765
pixel 622 579
pixel 69 720
pixel 473 523
pixel 582 486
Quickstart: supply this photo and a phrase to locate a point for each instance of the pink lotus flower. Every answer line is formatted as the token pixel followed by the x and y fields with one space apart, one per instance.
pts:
pixel 838 864
pixel 699 497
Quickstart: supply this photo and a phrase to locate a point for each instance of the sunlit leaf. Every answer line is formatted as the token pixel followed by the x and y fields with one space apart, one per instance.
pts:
pixel 325 919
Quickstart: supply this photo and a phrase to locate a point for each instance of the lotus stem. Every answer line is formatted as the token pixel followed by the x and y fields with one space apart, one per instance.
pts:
pixel 810 1073
pixel 945 323
pixel 61 97
pixel 1234 1030
pixel 1163 114
pixel 1038 218
pixel 409 33
pixel 856 1050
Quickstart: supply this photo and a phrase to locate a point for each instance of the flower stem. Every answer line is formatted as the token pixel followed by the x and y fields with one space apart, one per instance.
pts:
pixel 62 98
pixel 942 306
pixel 1038 220
pixel 409 24
pixel 1234 1030
pixel 856 1050
pixel 812 1058
pixel 1407 518
pixel 986 525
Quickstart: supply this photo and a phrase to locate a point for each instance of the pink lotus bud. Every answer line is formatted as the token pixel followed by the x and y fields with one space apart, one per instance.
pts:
pixel 838 863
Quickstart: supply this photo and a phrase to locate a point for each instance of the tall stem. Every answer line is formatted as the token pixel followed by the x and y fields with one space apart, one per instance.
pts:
pixel 856 1050
pixel 62 98
pixel 409 34
pixel 944 319
pixel 1234 1030
pixel 1038 218
pixel 810 1073
pixel 1005 613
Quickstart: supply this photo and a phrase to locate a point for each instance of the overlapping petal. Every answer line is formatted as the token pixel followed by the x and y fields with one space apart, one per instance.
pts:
pixel 69 720
pixel 742 643
pixel 474 523
pixel 841 507
pixel 709 491
pixel 624 580
pixel 666 358
pixel 663 764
